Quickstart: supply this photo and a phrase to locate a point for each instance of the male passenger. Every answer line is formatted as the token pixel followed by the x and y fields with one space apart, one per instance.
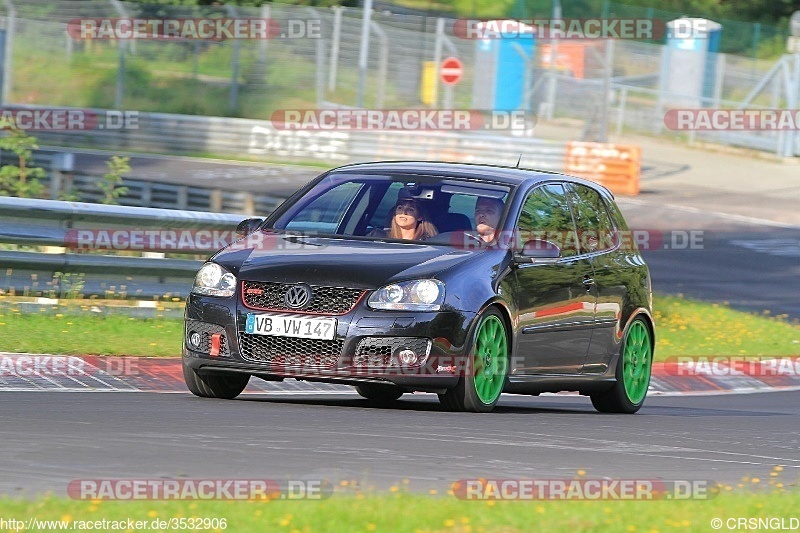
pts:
pixel 487 216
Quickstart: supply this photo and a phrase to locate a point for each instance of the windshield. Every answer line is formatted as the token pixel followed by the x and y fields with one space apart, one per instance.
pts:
pixel 404 207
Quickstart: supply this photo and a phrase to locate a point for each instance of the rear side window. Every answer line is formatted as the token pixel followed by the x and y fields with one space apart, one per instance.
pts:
pixel 595 229
pixel 546 216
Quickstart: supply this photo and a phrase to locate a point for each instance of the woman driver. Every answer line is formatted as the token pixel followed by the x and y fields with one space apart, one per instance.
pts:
pixel 410 222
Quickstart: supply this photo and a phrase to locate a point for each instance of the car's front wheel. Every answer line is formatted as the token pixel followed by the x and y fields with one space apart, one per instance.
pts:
pixel 382 393
pixel 633 373
pixel 216 385
pixel 484 377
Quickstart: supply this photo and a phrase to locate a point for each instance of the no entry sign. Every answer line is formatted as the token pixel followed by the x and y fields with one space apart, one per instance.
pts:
pixel 451 71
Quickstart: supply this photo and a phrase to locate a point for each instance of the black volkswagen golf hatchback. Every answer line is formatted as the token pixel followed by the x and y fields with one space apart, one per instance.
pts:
pixel 462 280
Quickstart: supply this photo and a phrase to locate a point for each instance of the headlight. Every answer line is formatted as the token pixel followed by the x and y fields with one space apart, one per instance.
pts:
pixel 418 295
pixel 213 280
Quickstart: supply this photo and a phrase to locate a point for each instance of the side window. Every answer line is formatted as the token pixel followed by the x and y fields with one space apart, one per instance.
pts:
pixel 325 213
pixel 595 229
pixel 546 215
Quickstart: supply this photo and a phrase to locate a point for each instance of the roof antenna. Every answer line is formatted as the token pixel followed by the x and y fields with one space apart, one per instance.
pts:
pixel 518 160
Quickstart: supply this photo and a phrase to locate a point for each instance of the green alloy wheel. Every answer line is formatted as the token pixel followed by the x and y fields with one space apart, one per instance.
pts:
pixel 633 373
pixel 479 389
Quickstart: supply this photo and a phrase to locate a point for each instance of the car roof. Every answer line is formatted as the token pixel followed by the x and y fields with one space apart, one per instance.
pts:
pixel 508 175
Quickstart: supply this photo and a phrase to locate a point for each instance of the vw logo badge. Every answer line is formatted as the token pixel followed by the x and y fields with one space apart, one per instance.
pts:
pixel 298 296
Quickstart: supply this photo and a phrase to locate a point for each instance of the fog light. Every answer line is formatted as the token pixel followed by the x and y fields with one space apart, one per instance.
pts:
pixel 195 339
pixel 407 357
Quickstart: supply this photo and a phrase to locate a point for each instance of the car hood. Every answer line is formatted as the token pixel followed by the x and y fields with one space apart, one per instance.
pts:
pixel 335 262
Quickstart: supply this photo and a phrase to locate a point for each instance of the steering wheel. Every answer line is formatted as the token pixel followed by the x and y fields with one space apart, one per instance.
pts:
pixel 473 236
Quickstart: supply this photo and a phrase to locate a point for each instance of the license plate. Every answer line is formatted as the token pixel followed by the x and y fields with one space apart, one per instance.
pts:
pixel 283 326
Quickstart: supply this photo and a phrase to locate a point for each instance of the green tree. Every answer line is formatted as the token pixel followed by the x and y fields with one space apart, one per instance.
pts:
pixel 111 182
pixel 20 180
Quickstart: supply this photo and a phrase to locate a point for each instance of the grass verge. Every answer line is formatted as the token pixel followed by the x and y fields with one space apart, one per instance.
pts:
pixel 689 327
pixel 402 512
pixel 683 327
pixel 89 334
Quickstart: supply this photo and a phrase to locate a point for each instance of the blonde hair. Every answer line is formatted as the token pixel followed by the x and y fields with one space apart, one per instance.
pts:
pixel 425 228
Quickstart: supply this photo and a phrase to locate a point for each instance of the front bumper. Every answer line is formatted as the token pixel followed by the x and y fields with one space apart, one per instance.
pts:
pixel 441 335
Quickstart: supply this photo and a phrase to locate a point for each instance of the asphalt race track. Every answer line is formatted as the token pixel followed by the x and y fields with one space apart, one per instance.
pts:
pixel 52 438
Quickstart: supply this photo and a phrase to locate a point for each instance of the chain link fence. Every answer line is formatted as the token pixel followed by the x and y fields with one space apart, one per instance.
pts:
pixel 611 86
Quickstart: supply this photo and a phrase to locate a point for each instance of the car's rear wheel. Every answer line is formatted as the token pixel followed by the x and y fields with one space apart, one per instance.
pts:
pixel 633 373
pixel 216 385
pixel 382 393
pixel 484 377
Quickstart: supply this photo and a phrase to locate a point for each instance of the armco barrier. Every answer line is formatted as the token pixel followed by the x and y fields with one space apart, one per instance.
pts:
pixel 56 224
pixel 615 166
pixel 259 139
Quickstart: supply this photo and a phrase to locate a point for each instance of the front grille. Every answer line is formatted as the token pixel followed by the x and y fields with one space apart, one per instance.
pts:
pixel 290 351
pixel 378 351
pixel 325 300
pixel 206 330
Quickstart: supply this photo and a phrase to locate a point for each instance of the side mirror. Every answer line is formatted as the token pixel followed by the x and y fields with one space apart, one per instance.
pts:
pixel 247 226
pixel 538 251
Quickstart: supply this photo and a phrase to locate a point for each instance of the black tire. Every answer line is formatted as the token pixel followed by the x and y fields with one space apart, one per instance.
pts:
pixel 464 396
pixel 617 399
pixel 381 393
pixel 216 385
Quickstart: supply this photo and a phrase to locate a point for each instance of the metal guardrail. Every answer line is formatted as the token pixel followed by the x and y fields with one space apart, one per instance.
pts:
pixel 180 134
pixel 60 178
pixel 58 226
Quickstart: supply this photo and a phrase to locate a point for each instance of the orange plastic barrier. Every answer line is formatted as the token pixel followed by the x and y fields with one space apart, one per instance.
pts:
pixel 615 166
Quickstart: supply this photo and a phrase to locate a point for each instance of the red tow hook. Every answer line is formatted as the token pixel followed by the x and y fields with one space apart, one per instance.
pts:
pixel 216 339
